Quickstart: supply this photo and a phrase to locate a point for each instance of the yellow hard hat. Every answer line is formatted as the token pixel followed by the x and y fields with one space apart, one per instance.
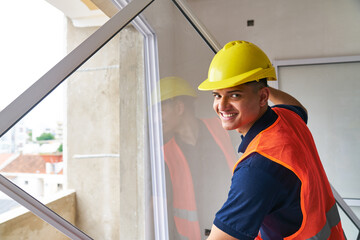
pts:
pixel 237 63
pixel 175 86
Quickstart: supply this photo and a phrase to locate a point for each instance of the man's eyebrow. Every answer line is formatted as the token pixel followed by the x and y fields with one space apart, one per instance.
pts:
pixel 229 92
pixel 234 91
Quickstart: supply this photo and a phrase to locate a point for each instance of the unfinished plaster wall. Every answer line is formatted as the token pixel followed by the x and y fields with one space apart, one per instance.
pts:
pixel 133 121
pixel 105 134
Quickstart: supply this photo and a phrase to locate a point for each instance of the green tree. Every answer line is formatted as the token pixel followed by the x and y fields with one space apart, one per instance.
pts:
pixel 60 149
pixel 45 136
pixel 30 135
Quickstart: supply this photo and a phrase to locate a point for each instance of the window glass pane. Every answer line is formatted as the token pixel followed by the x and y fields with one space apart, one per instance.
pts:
pixel 197 167
pixel 75 156
pixel 330 92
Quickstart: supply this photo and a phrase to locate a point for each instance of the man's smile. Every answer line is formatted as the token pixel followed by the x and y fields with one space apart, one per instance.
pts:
pixel 227 116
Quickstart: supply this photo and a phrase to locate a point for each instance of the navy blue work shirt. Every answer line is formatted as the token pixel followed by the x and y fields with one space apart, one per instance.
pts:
pixel 263 195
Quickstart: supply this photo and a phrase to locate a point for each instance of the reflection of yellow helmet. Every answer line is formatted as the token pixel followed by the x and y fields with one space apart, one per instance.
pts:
pixel 237 63
pixel 175 86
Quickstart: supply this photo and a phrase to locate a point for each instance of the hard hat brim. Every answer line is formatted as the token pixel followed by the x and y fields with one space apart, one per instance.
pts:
pixel 253 75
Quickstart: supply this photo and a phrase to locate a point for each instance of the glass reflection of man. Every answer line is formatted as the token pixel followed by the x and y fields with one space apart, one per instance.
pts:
pixel 195 150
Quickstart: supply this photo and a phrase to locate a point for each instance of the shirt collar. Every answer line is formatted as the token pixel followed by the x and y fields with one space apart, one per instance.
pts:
pixel 267 119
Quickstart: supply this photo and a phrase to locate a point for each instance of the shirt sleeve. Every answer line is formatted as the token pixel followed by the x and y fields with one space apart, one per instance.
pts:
pixel 253 193
pixel 298 110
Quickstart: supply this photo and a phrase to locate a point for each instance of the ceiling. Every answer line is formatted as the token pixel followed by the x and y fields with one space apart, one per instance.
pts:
pixel 85 13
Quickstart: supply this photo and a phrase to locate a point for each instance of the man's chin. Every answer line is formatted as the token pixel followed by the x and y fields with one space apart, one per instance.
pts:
pixel 228 127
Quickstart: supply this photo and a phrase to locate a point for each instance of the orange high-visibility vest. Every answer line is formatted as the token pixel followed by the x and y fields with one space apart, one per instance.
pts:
pixel 289 142
pixel 184 203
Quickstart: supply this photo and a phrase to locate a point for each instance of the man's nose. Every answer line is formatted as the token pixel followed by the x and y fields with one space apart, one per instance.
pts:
pixel 223 103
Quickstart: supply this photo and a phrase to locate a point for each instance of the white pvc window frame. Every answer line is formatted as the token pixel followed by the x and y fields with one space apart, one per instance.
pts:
pixel 151 64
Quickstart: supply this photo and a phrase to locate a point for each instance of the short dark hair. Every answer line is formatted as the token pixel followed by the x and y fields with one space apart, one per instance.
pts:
pixel 258 84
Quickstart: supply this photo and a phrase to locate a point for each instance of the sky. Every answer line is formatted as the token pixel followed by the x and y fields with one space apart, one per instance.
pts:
pixel 32 42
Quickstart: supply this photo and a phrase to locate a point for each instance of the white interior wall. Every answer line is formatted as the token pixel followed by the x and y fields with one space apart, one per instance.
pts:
pixel 286 29
pixel 331 94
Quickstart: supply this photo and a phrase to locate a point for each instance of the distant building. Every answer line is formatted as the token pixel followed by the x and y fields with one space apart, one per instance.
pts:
pixel 15 139
pixel 39 175
pixel 59 131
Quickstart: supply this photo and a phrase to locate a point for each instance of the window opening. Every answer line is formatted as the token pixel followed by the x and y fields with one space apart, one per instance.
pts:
pixel 40 89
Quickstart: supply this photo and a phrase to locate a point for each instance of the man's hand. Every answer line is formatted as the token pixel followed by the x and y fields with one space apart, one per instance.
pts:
pixel 279 97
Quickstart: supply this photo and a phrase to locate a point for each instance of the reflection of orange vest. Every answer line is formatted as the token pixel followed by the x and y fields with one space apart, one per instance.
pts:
pixel 184 204
pixel 289 142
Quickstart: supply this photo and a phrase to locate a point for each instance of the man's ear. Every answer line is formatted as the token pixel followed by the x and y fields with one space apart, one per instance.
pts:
pixel 180 108
pixel 264 96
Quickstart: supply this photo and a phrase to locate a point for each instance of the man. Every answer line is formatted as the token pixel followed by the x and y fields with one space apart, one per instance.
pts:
pixel 279 188
pixel 192 149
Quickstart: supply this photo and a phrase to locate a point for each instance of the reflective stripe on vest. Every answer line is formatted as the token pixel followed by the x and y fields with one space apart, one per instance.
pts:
pixel 332 220
pixel 295 149
pixel 184 203
pixel 187 224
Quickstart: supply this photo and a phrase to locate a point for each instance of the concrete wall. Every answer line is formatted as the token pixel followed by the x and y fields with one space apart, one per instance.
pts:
pixel 93 128
pixel 20 224
pixel 105 135
pixel 133 135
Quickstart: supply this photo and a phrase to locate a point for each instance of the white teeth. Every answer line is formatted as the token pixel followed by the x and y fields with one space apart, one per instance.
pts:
pixel 228 115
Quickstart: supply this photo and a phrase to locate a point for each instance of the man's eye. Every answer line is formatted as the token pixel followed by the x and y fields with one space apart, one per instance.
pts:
pixel 235 95
pixel 216 95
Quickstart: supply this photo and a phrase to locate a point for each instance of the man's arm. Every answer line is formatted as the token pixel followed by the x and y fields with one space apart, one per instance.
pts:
pixel 217 234
pixel 279 97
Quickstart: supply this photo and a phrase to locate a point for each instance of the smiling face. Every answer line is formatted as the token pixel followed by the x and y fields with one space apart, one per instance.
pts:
pixel 239 107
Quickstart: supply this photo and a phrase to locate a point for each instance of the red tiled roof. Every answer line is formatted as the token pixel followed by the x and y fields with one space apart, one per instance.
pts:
pixel 26 164
pixel 5 156
pixel 52 158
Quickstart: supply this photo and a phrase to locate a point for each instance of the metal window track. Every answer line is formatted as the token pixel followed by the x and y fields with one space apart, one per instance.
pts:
pixel 185 9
